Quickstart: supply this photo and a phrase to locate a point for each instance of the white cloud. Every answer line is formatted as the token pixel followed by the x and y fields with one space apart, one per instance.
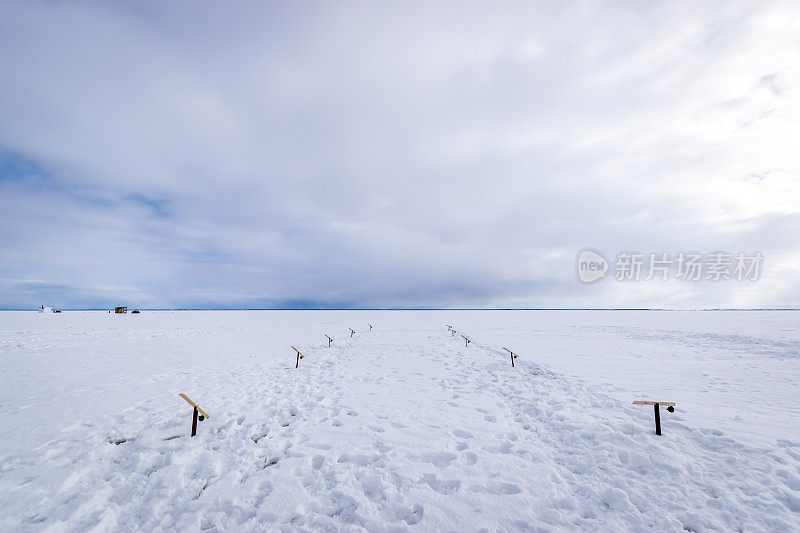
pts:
pixel 393 155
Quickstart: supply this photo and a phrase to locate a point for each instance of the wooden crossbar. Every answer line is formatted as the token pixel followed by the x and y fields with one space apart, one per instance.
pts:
pixel 182 395
pixel 298 352
pixel 328 337
pixel 463 337
pixel 509 351
pixel 642 402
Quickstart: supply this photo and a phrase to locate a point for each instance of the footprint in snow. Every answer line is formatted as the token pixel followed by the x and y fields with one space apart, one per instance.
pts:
pixel 496 488
pixel 381 447
pixel 357 459
pixel 462 434
pixel 411 516
pixel 442 486
pixel 503 448
pixel 263 488
pixel 440 459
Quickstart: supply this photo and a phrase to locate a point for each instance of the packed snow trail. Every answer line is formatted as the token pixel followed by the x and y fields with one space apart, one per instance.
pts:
pixel 395 430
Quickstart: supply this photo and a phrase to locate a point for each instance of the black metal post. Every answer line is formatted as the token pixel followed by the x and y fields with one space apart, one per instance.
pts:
pixel 194 422
pixel 512 358
pixel 658 419
pixel 466 342
pixel 298 360
pixel 329 342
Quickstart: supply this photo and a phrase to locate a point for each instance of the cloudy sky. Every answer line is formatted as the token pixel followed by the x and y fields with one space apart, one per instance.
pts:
pixel 366 154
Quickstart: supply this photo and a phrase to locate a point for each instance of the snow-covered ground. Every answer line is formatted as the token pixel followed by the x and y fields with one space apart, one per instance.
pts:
pixel 401 427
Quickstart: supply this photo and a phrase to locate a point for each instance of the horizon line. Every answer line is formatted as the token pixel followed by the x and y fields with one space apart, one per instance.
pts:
pixel 421 309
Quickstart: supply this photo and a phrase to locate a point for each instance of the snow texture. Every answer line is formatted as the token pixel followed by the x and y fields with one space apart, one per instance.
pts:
pixel 402 427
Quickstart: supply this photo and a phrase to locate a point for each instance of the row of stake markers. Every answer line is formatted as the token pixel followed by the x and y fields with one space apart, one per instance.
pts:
pixel 203 415
pixel 330 340
pixel 656 405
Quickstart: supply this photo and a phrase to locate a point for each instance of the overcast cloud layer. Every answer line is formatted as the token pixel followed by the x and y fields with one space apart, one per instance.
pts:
pixel 359 154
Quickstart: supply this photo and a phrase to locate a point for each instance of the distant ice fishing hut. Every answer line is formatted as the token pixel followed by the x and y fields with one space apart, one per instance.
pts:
pixel 43 309
pixel 121 310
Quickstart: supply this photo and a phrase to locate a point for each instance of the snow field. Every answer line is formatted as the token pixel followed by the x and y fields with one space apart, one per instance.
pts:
pixel 399 428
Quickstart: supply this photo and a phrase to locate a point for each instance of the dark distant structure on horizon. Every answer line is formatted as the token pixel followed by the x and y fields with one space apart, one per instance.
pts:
pixel 121 310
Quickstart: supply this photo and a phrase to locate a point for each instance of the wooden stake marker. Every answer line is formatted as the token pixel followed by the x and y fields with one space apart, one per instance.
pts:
pixel 657 411
pixel 513 355
pixel 329 340
pixel 352 331
pixel 299 356
pixel 195 410
pixel 467 341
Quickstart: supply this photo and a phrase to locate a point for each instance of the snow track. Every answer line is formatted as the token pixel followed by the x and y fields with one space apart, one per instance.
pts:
pixel 392 430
